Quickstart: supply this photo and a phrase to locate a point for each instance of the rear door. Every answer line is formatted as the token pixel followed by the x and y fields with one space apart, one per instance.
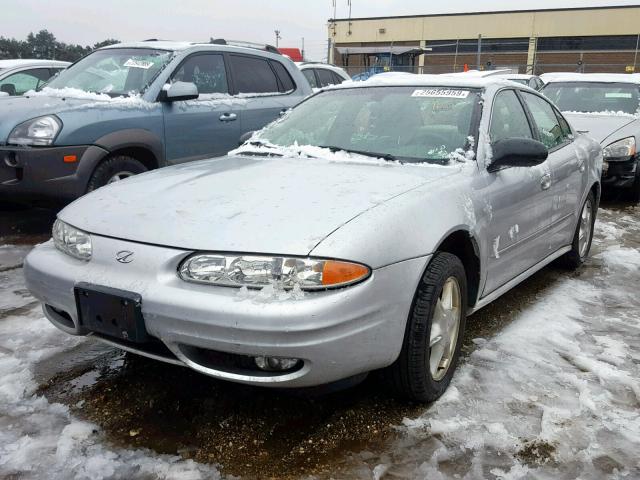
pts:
pixel 208 126
pixel 566 167
pixel 517 199
pixel 263 87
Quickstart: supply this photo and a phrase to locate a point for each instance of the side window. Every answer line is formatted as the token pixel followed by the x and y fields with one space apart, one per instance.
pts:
pixel 286 82
pixel 551 133
pixel 337 79
pixel 253 75
pixel 325 76
pixel 311 77
pixel 566 129
pixel 206 71
pixel 21 82
pixel 508 119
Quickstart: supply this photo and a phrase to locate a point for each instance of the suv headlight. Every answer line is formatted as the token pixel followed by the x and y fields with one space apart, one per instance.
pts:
pixel 40 131
pixel 256 271
pixel 620 150
pixel 71 241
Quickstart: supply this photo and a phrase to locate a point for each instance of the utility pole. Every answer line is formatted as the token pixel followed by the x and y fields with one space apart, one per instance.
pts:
pixel 479 50
pixel 302 51
pixel 278 37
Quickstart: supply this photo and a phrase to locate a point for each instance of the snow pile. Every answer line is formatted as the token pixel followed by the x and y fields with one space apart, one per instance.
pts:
pixel 96 99
pixel 609 113
pixel 271 293
pixel 39 439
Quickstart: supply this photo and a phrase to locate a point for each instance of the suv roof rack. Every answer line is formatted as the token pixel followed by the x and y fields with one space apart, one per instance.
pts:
pixel 242 43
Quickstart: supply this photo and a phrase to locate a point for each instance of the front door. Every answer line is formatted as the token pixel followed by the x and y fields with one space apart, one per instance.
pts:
pixel 206 127
pixel 518 199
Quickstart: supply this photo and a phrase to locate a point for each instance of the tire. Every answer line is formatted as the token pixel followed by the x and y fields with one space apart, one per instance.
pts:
pixel 579 250
pixel 112 166
pixel 411 375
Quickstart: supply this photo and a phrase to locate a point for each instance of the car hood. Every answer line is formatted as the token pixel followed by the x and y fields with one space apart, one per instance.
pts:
pixel 15 110
pixel 244 204
pixel 599 127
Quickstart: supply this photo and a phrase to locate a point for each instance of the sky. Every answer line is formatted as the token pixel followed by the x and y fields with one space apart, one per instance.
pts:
pixel 88 21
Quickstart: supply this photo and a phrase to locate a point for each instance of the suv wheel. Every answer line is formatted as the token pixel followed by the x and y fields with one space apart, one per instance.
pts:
pixel 434 332
pixel 114 169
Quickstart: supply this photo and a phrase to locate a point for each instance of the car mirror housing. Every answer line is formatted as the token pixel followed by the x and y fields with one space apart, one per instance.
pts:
pixel 180 91
pixel 517 152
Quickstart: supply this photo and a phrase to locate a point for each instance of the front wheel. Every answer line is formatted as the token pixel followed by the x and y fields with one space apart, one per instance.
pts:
pixel 114 169
pixel 583 235
pixel 434 332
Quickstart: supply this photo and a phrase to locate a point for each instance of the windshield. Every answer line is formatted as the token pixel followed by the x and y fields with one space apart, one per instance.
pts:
pixel 114 71
pixel 412 124
pixel 594 97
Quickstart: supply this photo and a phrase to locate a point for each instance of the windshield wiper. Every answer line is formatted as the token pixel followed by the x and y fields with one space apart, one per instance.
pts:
pixel 385 156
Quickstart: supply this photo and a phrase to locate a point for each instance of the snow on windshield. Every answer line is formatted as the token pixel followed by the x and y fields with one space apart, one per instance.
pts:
pixel 408 124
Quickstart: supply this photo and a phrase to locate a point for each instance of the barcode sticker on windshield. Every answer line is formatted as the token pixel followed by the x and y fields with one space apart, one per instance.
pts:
pixel 132 63
pixel 440 93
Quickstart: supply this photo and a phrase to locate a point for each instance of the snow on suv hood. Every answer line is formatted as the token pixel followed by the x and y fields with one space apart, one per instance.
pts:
pixel 244 204
pixel 599 126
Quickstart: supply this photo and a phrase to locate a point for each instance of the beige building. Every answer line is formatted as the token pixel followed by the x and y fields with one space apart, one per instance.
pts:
pixel 600 39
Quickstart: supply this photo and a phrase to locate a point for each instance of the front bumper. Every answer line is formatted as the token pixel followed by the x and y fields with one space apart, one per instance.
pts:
pixel 32 173
pixel 337 334
pixel 620 174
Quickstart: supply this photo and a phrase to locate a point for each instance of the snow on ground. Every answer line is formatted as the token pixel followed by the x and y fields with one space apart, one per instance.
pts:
pixel 43 440
pixel 556 395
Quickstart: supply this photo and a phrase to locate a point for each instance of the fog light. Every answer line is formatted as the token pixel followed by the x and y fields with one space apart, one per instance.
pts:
pixel 275 364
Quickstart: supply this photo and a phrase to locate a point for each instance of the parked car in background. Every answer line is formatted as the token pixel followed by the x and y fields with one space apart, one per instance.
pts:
pixel 20 76
pixel 356 233
pixel 606 107
pixel 322 75
pixel 129 108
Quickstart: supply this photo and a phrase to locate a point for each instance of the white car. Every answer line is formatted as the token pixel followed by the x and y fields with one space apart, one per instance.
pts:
pixel 322 75
pixel 19 76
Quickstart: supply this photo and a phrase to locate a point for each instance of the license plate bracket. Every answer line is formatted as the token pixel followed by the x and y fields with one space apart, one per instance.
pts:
pixel 110 311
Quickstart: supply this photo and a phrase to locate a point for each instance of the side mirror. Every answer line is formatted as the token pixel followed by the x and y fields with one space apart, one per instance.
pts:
pixel 179 91
pixel 517 152
pixel 245 137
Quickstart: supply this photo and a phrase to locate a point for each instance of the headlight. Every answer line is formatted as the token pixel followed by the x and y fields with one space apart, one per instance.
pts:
pixel 39 131
pixel 71 241
pixel 620 150
pixel 255 271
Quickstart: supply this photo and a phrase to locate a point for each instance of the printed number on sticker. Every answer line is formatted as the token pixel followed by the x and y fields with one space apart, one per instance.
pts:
pixel 440 93
pixel 145 64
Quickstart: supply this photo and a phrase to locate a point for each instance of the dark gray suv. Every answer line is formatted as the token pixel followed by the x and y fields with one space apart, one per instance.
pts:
pixel 129 108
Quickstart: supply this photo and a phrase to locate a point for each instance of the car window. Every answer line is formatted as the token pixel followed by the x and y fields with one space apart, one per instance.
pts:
pixel 337 79
pixel 206 71
pixel 508 119
pixel 311 77
pixel 551 133
pixel 413 124
pixel 21 82
pixel 286 82
pixel 595 97
pixel 253 75
pixel 566 129
pixel 325 77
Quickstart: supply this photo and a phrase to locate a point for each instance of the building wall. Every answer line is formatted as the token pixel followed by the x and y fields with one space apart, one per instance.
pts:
pixel 501 27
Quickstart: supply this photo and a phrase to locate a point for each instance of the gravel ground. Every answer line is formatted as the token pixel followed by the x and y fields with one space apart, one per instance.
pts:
pixel 548 389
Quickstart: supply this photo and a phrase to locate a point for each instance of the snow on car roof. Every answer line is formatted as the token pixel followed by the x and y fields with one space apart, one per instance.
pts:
pixel 155 44
pixel 23 62
pixel 426 80
pixel 591 77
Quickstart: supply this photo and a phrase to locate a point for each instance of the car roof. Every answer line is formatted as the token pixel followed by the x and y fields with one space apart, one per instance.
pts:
pixel 178 46
pixel 427 80
pixel 518 76
pixel 592 77
pixel 24 62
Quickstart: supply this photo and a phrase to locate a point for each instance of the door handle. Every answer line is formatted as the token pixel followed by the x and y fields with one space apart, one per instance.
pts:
pixel 545 181
pixel 228 117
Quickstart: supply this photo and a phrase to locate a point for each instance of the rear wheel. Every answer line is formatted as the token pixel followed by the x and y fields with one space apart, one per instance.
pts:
pixel 434 331
pixel 114 169
pixel 583 236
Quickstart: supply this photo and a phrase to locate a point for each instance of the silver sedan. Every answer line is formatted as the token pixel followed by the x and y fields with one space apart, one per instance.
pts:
pixel 356 233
